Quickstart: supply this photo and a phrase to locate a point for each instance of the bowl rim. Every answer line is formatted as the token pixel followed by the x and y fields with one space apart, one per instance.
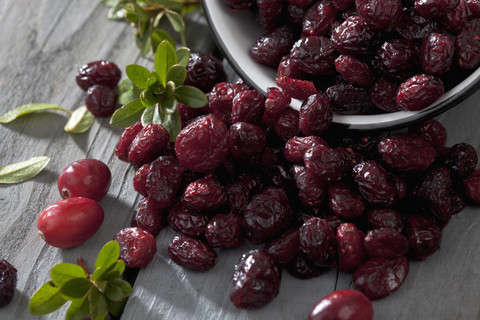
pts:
pixel 393 120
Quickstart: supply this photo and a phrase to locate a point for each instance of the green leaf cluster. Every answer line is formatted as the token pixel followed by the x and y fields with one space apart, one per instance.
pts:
pixel 153 96
pixel 91 295
pixel 146 15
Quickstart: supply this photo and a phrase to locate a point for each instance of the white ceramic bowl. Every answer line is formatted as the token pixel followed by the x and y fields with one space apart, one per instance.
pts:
pixel 236 31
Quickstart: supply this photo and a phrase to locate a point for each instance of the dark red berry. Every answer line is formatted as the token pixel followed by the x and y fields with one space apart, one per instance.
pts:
pixel 220 100
pixel 301 3
pixel 239 4
pixel 150 143
pixel 471 186
pixel 192 253
pixel 424 236
pixel 204 194
pixel 436 53
pixel 455 19
pixel 187 114
pixel 140 179
pixel 343 5
pixel 296 147
pixel 101 72
pixel 246 141
pixel 385 242
pixel 272 46
pixel 137 247
pixel 318 18
pixel 302 268
pixel 269 13
pixel 317 241
pixel 204 71
pixel 349 99
pixel 248 106
pixel 239 193
pixel 474 7
pixel 434 8
pixel 126 139
pixel 350 158
pixel 468 45
pixel 316 114
pixel 343 305
pixel 310 190
pixel 101 101
pixel 432 131
pixel 419 91
pixel 224 231
pixel 344 203
pixel 354 36
pixel 374 184
pixel 385 218
pixel 315 55
pixel 284 248
pixel 398 58
pixel 287 124
pixel 149 217
pixel 297 89
pixel 380 14
pixel 276 102
pixel 383 94
pixel 350 247
pixel 413 26
pixel 324 163
pixel 355 70
pixel 187 221
pixel 289 67
pixel 163 180
pixel 8 282
pixel 462 159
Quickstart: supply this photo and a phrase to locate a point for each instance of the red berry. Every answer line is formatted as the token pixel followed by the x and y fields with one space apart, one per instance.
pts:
pixel 350 247
pixel 123 144
pixel 98 72
pixel 204 194
pixel 137 247
pixel 192 253
pixel 471 185
pixel 8 282
pixel 224 231
pixel 385 242
pixel 204 71
pixel 296 147
pixel 284 248
pixel 149 217
pixel 317 241
pixel 150 143
pixel 316 114
pixel 343 305
pixel 419 91
pixel 101 101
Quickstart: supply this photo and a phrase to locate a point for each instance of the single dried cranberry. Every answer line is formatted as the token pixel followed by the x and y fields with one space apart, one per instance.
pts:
pixel 379 277
pixel 202 145
pixel 310 190
pixel 455 19
pixel 246 141
pixel 126 139
pixel 220 101
pixel 224 231
pixel 8 282
pixel 149 217
pixel 287 124
pixel 373 183
pixel 239 4
pixel 413 26
pixel 419 91
pixel 276 102
pixel 187 114
pixel 288 67
pixel 137 247
pixel 296 147
pixel 204 194
pixel 385 242
pixel 316 114
pixel 380 14
pixel 101 101
pixel 284 248
pixel 302 268
pixel 349 99
pixel 344 203
pixel 474 7
pixel 315 54
pixel 468 45
pixel 350 158
pixel 256 280
pixel 192 254
pixel 294 14
pixel 239 193
pixel 163 180
pixel 269 13
pixel 436 53
pixel 397 58
pixel 248 106
pixel 140 179
pixel 98 72
pixel 383 94
pixel 462 159
pixel 272 46
pixel 343 5
pixel 434 8
pixel 385 218
pixel 317 241
pixel 350 247
pixel 354 36
pixel 267 214
pixel 355 70
pixel 324 163
pixel 204 71
pixel 318 18
pixel 424 236
pixel 297 89
pixel 343 305
pixel 150 143
pixel 187 221
pixel 471 186
pixel 432 131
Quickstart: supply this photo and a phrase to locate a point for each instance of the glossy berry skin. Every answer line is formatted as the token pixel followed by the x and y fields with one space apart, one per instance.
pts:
pixel 397 58
pixel 256 280
pixel 315 54
pixel 343 305
pixel 471 186
pixel 379 277
pixel 462 159
pixel 354 36
pixel 224 231
pixel 70 222
pixel 284 248
pixel 8 282
pixel 311 191
pixel 385 218
pixel 269 13
pixel 419 91
pixel 101 101
pixel 455 19
pixel 187 221
pixel 424 236
pixel 317 241
pixel 248 106
pixel 163 180
pixel 355 70
pixel 434 8
pixel 137 247
pixel 344 203
pixel 300 267
pixel 204 71
pixel 432 131
pixel 101 72
pixel 150 143
pixel 246 141
pixel 350 247
pixel 88 178
pixel 373 183
pixel 204 194
pixel 436 53
pixel 324 163
pixel 385 242
pixel 316 114
pixel 126 139
pixel 383 93
pixel 192 253
pixel 296 89
pixel 413 26
pixel 287 124
pixel 140 179
pixel 220 100
pixel 380 14
pixel 349 99
pixel 149 217
pixel 318 18
pixel 296 147
pixel 276 102
pixel 202 145
pixel 288 67
pixel 272 46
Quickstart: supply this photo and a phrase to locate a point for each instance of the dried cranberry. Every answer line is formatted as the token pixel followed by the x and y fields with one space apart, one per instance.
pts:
pixel 302 268
pixel 355 70
pixel 354 36
pixel 8 282
pixel 343 5
pixel 474 7
pixel 455 19
pixel 436 53
pixel 204 71
pixel 350 247
pixel 379 277
pixel 246 141
pixel 192 253
pixel 101 72
pixel 256 280
pixel 140 179
pixel 239 193
pixel 186 221
pixel 284 248
pixel 324 163
pixel 380 14
pixel 187 114
pixel 349 99
pixel 224 231
pixel 288 67
pixel 373 183
pixel 137 247
pixel 297 89
pixel 267 214
pixel 350 159
pixel 334 306
pixel 468 45
pixel 397 58
pixel 419 91
pixel 101 101
pixel 316 114
pixel 301 3
pixel 269 13
pixel 248 106
pixel 149 217
pixel 204 194
pixel 317 241
pixel 385 242
pixel 383 94
pixel 296 147
pixel 202 145
pixel 276 102
pixel 150 143
pixel 385 218
pixel 294 14
pixel 315 54
pixel 471 186
pixel 462 159
pixel 310 190
pixel 287 124
pixel 318 18
pixel 424 236
pixel 126 139
pixel 272 46
pixel 432 131
pixel 434 8
pixel 163 180
pixel 220 101
pixel 344 203
pixel 413 26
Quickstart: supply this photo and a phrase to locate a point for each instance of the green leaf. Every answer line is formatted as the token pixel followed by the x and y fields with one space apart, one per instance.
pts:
pixel 114 293
pixel 98 304
pixel 64 272
pixel 108 255
pixel 123 285
pixel 80 120
pixel 141 14
pixel 110 3
pixel 143 43
pixel 127 91
pixel 23 170
pixel 78 309
pixel 46 300
pixel 157 20
pixel 128 114
pixel 148 98
pixel 75 288
pixel 177 73
pixel 29 108
pixel 176 21
pixel 158 36
pixel 116 307
pixel 183 55
pixel 165 57
pixel 172 123
pixel 138 74
pixel 169 105
pixel 191 96
pixel 114 271
pixel 151 115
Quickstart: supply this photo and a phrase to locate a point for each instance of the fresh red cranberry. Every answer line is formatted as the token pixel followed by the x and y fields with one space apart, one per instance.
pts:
pixel 383 94
pixel 8 282
pixel 324 163
pixel 149 217
pixel 379 277
pixel 385 242
pixel 315 54
pixel 187 221
pixel 419 91
pixel 318 18
pixel 297 89
pixel 163 180
pixel 462 159
pixel 344 203
pixel 385 218
pixel 224 231
pixel 424 236
pixel 284 248
pixel 204 194
pixel 269 13
pixel 398 58
pixel 248 106
pixel 126 139
pixel 272 46
pixel 150 143
pixel 204 71
pixel 355 70
pixel 246 141
pixel 343 305
pixel 267 214
pixel 354 36
pixel 70 222
pixel 276 102
pixel 350 247
pixel 256 280
pixel 310 190
pixel 296 147
pixel 137 247
pixel 239 4
pixel 374 184
pixel 88 178
pixel 471 186
pixel 468 45
pixel 101 72
pixel 436 53
pixel 380 14
pixel 316 114
pixel 432 131
pixel 317 241
pixel 434 8
pixel 202 145
pixel 349 99
pixel 101 101
pixel 287 124
pixel 289 67
pixel 192 253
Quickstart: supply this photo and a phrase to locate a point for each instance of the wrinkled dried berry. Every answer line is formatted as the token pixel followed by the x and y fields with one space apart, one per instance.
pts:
pixel 474 7
pixel 101 72
pixel 413 26
pixel 204 71
pixel 294 14
pixel 248 106
pixel 471 186
pixel 349 99
pixel 288 67
pixel 284 248
pixel 101 101
pixel 385 242
pixel 355 70
pixel 246 141
pixel 436 53
pixel 318 18
pixel 310 190
pixel 126 139
pixel 350 159
pixel 301 3
pixel 302 268
pixel 163 180
pixel 272 46
pixel 383 94
pixel 239 193
pixel 315 54
pixel 149 217
pixel 316 114
pixel 455 19
pixel 419 91
pixel 462 159
pixel 204 194
pixel 354 36
pixel 220 101
pixel 324 163
pixel 150 143
pixel 297 89
pixel 287 124
pixel 137 247
pixel 385 218
pixel 373 183
pixel 380 14
pixel 350 247
pixel 468 45
pixel 344 203
pixel 398 58
pixel 269 13
pixel 187 221
pixel 192 253
pixel 317 241
pixel 424 236
pixel 276 102
pixel 224 231
pixel 8 282
pixel 434 8
pixel 296 147
pixel 432 131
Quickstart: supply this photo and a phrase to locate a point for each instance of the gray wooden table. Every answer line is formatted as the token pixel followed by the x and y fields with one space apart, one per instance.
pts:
pixel 42 45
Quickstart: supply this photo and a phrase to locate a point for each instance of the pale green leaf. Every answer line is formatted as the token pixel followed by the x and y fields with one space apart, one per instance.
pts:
pixel 24 170
pixel 183 55
pixel 80 120
pixel 46 300
pixel 79 309
pixel 127 91
pixel 64 272
pixel 165 57
pixel 29 108
pixel 176 21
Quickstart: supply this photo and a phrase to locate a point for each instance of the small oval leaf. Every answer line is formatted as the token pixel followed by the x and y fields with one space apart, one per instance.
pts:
pixel 165 57
pixel 138 74
pixel 127 91
pixel 123 285
pixel 172 123
pixel 46 300
pixel 29 108
pixel 158 36
pixel 80 120
pixel 116 307
pixel 75 288
pixel 78 309
pixel 177 73
pixel 183 55
pixel 114 293
pixel 191 96
pixel 23 170
pixel 176 21
pixel 108 254
pixel 128 114
pixel 63 272
pixel 98 305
